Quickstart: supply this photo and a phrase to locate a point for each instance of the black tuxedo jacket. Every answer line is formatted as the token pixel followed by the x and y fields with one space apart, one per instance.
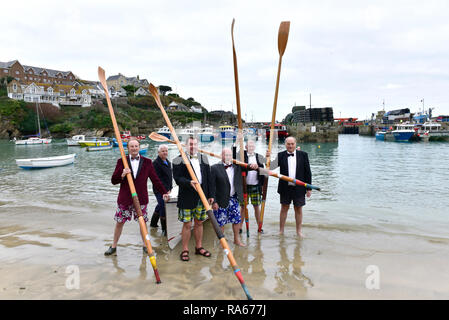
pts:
pixel 303 172
pixel 260 162
pixel 221 186
pixel 187 196
pixel 164 172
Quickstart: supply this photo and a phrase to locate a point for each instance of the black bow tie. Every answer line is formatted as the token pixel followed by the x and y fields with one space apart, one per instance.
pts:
pixel 227 166
pixel 290 154
pixel 251 154
pixel 193 157
pixel 136 158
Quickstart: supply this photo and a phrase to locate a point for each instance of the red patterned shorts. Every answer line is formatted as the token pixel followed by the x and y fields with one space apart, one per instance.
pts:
pixel 125 213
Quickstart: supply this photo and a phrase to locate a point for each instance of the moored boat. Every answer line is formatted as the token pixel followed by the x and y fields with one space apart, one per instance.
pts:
pixel 74 141
pixel 404 132
pixel 95 142
pixel 165 131
pixel 280 131
pixel 48 162
pixel 99 148
pixel 227 133
pixel 207 134
pixel 33 140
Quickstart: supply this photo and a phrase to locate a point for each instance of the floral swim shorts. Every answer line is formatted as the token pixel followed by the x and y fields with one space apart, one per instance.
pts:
pixel 125 213
pixel 231 214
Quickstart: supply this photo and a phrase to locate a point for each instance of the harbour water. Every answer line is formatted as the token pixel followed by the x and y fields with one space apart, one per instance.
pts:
pixel 377 230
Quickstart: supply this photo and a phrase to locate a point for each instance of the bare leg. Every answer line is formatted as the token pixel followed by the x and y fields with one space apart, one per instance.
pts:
pixel 117 233
pixel 298 217
pixel 198 233
pixel 283 217
pixel 257 214
pixel 187 226
pixel 236 228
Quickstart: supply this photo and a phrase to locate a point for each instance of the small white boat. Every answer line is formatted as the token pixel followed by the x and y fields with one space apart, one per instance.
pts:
pixel 33 140
pixel 207 134
pixel 75 140
pixel 99 148
pixel 49 162
pixel 184 134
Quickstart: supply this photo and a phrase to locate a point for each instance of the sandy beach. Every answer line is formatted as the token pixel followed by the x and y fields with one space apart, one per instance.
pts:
pixel 39 253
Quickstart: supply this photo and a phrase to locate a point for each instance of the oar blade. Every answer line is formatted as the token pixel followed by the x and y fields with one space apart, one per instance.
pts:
pixel 154 92
pixel 157 137
pixel 284 30
pixel 102 77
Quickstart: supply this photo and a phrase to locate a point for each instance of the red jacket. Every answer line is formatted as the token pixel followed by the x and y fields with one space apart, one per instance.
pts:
pixel 145 171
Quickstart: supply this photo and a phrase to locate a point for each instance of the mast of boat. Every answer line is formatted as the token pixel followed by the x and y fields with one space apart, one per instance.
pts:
pixel 38 121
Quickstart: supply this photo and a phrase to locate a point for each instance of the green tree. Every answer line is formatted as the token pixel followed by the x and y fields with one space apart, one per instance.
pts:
pixel 164 89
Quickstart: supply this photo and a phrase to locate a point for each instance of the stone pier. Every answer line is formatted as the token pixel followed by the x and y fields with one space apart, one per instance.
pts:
pixel 314 131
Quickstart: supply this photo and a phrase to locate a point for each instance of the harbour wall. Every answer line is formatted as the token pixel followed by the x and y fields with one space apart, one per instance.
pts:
pixel 314 131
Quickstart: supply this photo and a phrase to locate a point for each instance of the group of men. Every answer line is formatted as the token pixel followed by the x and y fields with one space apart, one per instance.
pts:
pixel 221 184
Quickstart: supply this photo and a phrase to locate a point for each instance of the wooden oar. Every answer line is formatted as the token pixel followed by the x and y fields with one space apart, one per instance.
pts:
pixel 239 119
pixel 284 29
pixel 210 213
pixel 160 138
pixel 136 203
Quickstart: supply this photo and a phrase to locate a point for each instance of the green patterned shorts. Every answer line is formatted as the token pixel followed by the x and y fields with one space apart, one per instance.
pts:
pixel 254 195
pixel 199 213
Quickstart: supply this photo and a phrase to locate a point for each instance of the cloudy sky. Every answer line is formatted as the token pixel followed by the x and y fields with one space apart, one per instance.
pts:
pixel 348 55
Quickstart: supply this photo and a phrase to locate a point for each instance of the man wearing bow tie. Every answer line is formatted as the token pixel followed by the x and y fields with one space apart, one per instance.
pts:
pixel 294 164
pixel 254 180
pixel 141 169
pixel 227 191
pixel 189 204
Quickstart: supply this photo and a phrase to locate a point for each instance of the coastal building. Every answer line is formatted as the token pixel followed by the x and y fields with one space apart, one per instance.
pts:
pixel 55 94
pixel 177 106
pixel 142 91
pixel 196 109
pixel 28 74
pixel 120 80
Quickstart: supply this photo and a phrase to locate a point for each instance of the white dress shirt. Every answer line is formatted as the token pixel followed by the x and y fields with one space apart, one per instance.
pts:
pixel 230 173
pixel 196 167
pixel 134 165
pixel 291 167
pixel 251 178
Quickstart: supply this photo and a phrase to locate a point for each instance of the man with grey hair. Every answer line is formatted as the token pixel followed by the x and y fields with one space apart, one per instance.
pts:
pixel 163 168
pixel 227 190
pixel 294 164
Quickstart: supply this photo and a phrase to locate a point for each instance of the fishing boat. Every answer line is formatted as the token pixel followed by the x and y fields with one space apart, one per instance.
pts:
pixel 433 132
pixel 99 148
pixel 185 133
pixel 49 162
pixel 165 131
pixel 125 134
pixel 207 134
pixel 404 132
pixel 280 131
pixel 227 133
pixel 95 142
pixel 250 134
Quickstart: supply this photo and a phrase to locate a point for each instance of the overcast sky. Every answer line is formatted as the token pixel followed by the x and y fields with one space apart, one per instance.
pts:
pixel 349 55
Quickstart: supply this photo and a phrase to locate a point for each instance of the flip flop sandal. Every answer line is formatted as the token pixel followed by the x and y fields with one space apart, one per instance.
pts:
pixel 205 252
pixel 185 255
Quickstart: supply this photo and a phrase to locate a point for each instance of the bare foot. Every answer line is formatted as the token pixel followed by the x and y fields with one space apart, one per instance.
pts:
pixel 300 235
pixel 239 244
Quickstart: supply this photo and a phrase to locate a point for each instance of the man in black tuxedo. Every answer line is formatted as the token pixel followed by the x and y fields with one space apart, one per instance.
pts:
pixel 294 164
pixel 189 204
pixel 227 190
pixel 164 171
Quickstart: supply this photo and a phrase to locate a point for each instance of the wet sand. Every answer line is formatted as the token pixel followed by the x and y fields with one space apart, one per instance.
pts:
pixel 38 246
